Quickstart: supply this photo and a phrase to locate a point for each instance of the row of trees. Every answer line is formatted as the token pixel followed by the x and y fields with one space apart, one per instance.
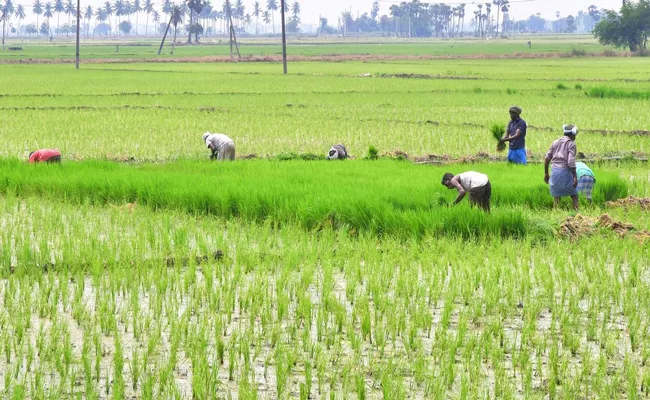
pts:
pixel 628 28
pixel 117 16
pixel 418 19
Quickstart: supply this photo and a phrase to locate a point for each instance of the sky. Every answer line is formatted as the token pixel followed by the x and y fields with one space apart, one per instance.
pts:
pixel 332 9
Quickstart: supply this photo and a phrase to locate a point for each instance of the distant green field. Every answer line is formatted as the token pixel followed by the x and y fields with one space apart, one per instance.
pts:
pixel 442 107
pixel 218 46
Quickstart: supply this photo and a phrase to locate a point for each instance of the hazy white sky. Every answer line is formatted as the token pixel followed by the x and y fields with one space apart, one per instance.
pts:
pixel 333 8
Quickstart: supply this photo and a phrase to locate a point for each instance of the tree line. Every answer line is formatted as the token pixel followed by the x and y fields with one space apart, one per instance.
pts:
pixel 489 19
pixel 122 17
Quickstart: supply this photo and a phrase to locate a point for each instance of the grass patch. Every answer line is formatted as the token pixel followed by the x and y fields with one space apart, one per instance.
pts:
pixel 604 92
pixel 561 86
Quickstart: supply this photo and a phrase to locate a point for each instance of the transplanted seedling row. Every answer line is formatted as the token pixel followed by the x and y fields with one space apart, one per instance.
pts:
pixel 282 313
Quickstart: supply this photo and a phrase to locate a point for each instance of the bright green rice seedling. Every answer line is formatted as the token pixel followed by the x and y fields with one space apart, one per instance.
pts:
pixel 498 131
pixel 356 196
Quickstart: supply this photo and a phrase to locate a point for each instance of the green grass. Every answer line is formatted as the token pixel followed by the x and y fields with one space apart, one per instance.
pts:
pixel 384 198
pixel 158 112
pixel 603 92
pixel 98 48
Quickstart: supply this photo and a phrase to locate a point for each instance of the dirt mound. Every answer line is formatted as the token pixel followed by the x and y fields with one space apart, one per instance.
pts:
pixel 398 154
pixel 580 225
pixel 630 202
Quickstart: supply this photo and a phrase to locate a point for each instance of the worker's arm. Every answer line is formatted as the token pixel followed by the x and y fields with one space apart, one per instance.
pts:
pixel 547 162
pixel 461 190
pixel 547 177
pixel 511 138
pixel 212 149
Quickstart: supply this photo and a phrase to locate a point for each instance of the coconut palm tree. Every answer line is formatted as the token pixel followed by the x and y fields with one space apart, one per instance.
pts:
pixel 205 14
pixel 136 9
pixel 177 15
pixel 88 15
pixel 256 13
pixel 272 6
pixel 37 9
pixel 266 18
pixel 502 5
pixel 108 9
pixel 147 7
pixel 155 17
pixel 120 10
pixel 239 11
pixel 295 9
pixel 58 9
pixel 48 13
pixel 248 20
pixel 100 17
pixel 5 14
pixel 167 7
pixel 129 9
pixel 70 8
pixel 227 11
pixel 20 15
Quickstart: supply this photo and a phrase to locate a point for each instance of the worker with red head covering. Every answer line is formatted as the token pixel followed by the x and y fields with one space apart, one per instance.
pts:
pixel 45 155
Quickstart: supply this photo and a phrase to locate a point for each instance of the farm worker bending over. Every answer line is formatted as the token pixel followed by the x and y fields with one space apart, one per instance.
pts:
pixel 478 185
pixel 223 147
pixel 562 158
pixel 516 135
pixel 45 155
pixel 337 152
pixel 586 180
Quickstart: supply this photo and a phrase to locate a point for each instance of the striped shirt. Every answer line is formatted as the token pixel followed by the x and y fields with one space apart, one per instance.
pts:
pixel 562 153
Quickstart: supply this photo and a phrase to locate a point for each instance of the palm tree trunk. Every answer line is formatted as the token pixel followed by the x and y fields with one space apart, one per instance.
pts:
pixel 146 26
pixel 58 21
pixel 273 20
pixel 174 42
pixel 38 28
pixel 189 31
pixel 498 12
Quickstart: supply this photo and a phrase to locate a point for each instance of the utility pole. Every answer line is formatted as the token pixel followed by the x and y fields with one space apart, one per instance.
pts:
pixel 76 64
pixel 233 36
pixel 284 39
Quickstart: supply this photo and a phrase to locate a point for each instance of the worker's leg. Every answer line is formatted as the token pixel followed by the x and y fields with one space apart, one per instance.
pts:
pixel 576 202
pixel 53 159
pixel 475 197
pixel 487 196
pixel 556 202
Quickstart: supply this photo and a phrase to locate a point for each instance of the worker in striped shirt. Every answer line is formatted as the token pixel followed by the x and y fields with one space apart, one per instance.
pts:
pixel 586 180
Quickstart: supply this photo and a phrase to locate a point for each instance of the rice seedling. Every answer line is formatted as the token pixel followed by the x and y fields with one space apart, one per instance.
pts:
pixel 498 132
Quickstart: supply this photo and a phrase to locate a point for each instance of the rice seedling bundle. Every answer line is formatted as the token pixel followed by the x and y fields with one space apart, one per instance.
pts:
pixel 498 131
